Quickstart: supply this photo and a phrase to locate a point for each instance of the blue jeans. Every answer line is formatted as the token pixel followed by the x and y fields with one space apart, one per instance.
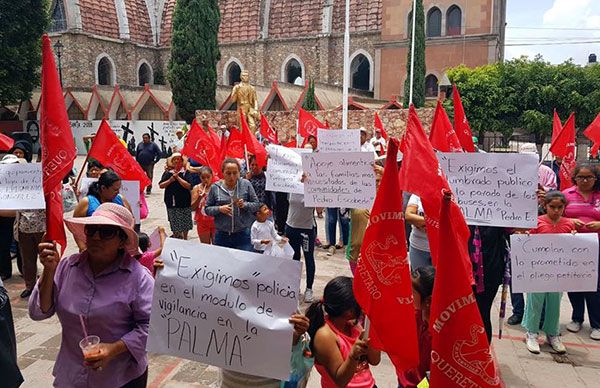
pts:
pixel 333 215
pixel 518 303
pixel 303 240
pixel 418 258
pixel 237 240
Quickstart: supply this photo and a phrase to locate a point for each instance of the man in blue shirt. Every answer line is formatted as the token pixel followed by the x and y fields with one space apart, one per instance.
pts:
pixel 147 154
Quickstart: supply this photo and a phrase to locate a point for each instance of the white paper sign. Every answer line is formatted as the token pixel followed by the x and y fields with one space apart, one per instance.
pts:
pixel 21 186
pixel 225 307
pixel 284 169
pixel 554 262
pixel 338 140
pixel 494 189
pixel 342 179
pixel 131 191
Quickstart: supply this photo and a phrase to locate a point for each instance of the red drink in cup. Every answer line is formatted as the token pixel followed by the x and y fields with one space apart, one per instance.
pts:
pixel 90 346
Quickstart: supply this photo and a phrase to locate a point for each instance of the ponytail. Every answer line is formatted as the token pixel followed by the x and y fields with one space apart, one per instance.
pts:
pixel 316 315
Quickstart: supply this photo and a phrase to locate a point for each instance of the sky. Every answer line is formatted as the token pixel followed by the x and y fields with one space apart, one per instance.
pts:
pixel 539 26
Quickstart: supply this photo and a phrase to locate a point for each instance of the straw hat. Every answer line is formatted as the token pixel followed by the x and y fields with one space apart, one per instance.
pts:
pixel 107 214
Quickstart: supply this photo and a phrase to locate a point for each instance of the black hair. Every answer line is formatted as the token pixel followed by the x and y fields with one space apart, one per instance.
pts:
pixel 147 134
pixel 207 169
pixel 311 137
pixel 422 280
pixel 107 179
pixel 555 194
pixel 586 166
pixel 338 298
pixel 144 241
pixel 260 205
pixel 93 163
pixel 229 161
pixel 251 159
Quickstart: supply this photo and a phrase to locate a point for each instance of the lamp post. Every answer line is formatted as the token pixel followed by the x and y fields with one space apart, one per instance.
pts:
pixel 58 46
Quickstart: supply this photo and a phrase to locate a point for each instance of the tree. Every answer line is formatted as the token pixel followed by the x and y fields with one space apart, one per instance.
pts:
pixel 419 77
pixel 22 24
pixel 309 100
pixel 194 56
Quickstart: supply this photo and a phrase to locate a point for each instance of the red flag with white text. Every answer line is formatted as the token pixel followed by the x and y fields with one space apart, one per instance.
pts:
pixel 308 124
pixel 58 145
pixel 252 144
pixel 200 146
pixel 461 124
pixel 267 131
pixel 382 281
pixel 235 144
pixel 442 136
pixel 565 146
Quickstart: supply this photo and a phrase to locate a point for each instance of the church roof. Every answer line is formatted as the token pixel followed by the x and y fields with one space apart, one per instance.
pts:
pixel 99 18
pixel 139 21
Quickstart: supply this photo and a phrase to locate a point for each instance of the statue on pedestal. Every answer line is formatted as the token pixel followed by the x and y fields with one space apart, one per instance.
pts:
pixel 244 95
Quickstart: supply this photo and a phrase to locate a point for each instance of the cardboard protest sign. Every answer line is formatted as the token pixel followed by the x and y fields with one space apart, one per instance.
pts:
pixel 554 262
pixel 494 189
pixel 225 307
pixel 21 186
pixel 284 169
pixel 342 179
pixel 338 140
pixel 131 191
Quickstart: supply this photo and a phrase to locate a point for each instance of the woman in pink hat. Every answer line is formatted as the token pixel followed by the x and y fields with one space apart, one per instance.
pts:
pixel 105 288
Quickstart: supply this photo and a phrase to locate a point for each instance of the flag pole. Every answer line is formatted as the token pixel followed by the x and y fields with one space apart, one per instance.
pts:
pixel 412 54
pixel 346 67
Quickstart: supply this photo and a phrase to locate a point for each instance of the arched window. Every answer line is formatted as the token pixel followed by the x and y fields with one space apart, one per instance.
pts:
pixel 105 72
pixel 144 74
pixel 434 22
pixel 360 73
pixel 453 21
pixel 293 72
pixel 59 18
pixel 431 86
pixel 234 72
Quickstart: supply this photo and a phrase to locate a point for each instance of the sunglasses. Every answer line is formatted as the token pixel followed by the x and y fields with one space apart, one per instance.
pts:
pixel 105 232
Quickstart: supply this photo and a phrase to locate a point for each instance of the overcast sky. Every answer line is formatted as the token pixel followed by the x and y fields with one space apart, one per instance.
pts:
pixel 532 22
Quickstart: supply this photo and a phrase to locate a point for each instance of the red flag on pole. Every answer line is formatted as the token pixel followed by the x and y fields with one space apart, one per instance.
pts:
pixel 556 126
pixel 267 131
pixel 442 136
pixel 308 124
pixel 382 282
pixel 200 146
pixel 6 142
pixel 252 144
pixel 460 355
pixel 213 136
pixel 565 139
pixel 592 132
pixel 108 150
pixel 235 144
pixel 379 125
pixel 58 145
pixel 291 144
pixel 461 124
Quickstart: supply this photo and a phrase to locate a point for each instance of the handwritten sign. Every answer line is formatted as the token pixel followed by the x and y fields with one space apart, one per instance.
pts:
pixel 554 262
pixel 342 179
pixel 284 169
pixel 131 191
pixel 494 189
pixel 21 186
pixel 338 140
pixel 225 307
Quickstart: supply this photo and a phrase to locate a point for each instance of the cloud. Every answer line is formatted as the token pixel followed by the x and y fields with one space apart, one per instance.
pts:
pixel 567 13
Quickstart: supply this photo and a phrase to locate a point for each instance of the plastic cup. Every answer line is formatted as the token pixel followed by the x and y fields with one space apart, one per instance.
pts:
pixel 90 345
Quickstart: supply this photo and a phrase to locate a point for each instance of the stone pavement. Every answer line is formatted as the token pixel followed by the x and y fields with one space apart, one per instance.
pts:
pixel 38 342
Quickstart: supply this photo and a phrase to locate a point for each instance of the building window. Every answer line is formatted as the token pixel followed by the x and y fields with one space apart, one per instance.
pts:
pixel 59 19
pixel 105 72
pixel 431 86
pixel 144 74
pixel 360 72
pixel 434 22
pixel 453 21
pixel 293 72
pixel 234 72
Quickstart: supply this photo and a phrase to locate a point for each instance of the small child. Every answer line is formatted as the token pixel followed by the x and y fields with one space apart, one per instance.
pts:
pixel 205 224
pixel 551 222
pixel 151 259
pixel 263 230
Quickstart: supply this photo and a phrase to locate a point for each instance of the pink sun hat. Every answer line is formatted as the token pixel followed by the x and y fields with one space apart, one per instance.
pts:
pixel 107 214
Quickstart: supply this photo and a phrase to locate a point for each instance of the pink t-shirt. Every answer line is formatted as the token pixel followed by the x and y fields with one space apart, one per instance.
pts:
pixel 545 225
pixel 147 260
pixel 582 209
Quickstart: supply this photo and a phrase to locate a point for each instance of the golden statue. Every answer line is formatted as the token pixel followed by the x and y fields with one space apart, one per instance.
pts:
pixel 244 95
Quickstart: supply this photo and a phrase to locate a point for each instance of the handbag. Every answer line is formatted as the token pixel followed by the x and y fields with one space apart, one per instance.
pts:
pixel 301 364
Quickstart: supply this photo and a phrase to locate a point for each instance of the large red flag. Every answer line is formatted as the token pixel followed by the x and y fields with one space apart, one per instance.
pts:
pixel 252 144
pixel 6 142
pixel 561 145
pixel 213 136
pixel 461 124
pixel 379 125
pixel 442 136
pixel 200 146
pixel 108 150
pixel 235 144
pixel 556 126
pixel 592 132
pixel 308 124
pixel 566 138
pixel 58 145
pixel 382 282
pixel 267 131
pixel 460 355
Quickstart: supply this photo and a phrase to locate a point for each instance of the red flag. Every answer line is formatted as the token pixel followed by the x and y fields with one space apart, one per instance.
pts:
pixel 213 136
pixel 442 135
pixel 108 150
pixel 267 131
pixel 460 355
pixel 461 124
pixel 200 146
pixel 308 124
pixel 58 145
pixel 291 144
pixel 565 139
pixel 592 132
pixel 379 125
pixel 235 144
pixel 6 142
pixel 382 282
pixel 252 144
pixel 556 126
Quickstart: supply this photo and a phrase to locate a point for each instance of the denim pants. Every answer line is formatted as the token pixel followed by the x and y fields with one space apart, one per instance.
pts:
pixel 237 240
pixel 303 241
pixel 333 216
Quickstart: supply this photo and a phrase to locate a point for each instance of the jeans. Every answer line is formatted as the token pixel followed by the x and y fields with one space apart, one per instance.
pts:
pixel 418 258
pixel 518 303
pixel 303 240
pixel 333 214
pixel 149 170
pixel 578 302
pixel 238 240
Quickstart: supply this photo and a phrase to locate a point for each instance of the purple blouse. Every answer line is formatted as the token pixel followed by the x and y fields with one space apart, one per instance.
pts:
pixel 115 304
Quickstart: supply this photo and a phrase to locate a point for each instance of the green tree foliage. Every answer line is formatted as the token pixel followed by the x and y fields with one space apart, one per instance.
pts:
pixel 419 78
pixel 523 93
pixel 194 56
pixel 22 24
pixel 309 102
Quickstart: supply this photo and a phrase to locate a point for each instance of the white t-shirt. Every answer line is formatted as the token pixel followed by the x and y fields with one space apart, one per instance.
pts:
pixel 263 231
pixel 418 238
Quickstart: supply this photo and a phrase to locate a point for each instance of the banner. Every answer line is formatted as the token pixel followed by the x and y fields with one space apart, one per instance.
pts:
pixel 284 169
pixel 554 262
pixel 343 179
pixel 494 189
pixel 21 186
pixel 338 140
pixel 131 191
pixel 225 307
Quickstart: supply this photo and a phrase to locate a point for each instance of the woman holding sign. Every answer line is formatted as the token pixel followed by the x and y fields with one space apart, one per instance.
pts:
pixel 583 206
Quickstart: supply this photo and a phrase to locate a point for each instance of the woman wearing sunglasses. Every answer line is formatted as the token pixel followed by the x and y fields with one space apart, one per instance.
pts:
pixel 105 289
